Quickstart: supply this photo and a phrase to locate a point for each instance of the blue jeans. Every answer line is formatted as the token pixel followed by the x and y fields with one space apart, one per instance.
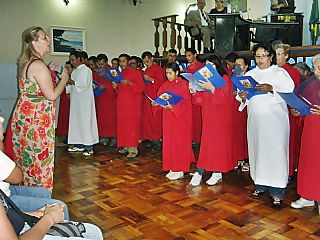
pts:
pixel 29 199
pixel 273 191
pixel 86 147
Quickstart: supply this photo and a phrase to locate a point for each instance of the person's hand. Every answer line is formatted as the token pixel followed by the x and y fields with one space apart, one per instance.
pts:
pixel 64 75
pixel 315 110
pixel 126 82
pixel 114 85
pixel 294 112
pixel 154 104
pixel 264 87
pixel 191 88
pixel 168 107
pixel 54 212
pixel 70 82
pixel 207 85
pixel 148 78
pixel 243 95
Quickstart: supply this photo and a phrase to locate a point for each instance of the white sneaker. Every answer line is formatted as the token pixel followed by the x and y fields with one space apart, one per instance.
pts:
pixel 87 153
pixel 196 179
pixel 75 149
pixel 174 175
pixel 301 203
pixel 168 174
pixel 215 178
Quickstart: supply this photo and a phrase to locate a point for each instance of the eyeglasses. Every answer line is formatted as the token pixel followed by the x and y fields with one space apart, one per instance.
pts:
pixel 262 56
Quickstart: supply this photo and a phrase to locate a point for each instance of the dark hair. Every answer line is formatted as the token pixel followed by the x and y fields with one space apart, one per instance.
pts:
pixel 93 59
pixel 216 60
pixel 246 61
pixel 174 66
pixel 84 55
pixel 192 50
pixel 77 54
pixel 172 50
pixel 231 57
pixel 125 56
pixel 267 48
pixel 102 56
pixel 146 54
pixel 115 59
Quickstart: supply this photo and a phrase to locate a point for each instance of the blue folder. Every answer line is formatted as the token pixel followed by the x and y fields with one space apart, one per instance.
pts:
pixel 296 103
pixel 183 68
pixel 248 84
pixel 114 75
pixel 96 90
pixel 206 73
pixel 167 97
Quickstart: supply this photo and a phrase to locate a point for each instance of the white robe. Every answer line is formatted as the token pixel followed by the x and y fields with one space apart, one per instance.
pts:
pixel 268 129
pixel 83 127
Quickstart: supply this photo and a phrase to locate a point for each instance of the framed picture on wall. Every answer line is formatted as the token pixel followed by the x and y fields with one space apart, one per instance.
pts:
pixel 66 39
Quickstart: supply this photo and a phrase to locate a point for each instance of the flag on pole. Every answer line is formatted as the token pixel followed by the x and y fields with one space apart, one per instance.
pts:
pixel 314 18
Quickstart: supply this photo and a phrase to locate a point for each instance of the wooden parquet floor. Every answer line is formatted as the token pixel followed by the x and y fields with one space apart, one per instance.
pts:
pixel 132 199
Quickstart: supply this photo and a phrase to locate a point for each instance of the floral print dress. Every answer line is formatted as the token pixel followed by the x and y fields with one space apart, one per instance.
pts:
pixel 33 135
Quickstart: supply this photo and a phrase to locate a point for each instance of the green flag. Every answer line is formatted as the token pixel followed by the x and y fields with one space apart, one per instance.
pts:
pixel 314 17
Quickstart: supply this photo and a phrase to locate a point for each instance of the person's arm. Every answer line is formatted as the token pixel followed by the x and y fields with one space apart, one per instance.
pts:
pixel 15 176
pixel 7 231
pixel 37 232
pixel 39 72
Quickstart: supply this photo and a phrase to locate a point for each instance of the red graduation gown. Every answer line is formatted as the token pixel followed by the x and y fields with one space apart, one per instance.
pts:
pixel 152 120
pixel 177 151
pixel 196 109
pixel 296 124
pixel 129 109
pixel 216 141
pixel 63 116
pixel 309 164
pixel 106 108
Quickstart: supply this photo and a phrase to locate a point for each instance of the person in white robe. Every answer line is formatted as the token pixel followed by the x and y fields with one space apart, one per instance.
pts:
pixel 268 126
pixel 83 129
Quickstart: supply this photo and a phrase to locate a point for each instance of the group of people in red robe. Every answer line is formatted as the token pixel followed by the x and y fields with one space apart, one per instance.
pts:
pixel 126 112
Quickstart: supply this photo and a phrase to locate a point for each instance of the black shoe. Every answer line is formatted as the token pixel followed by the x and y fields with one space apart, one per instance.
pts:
pixel 257 193
pixel 276 202
pixel 206 50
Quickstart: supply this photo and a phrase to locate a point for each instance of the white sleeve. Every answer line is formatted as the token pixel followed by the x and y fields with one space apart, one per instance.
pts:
pixel 6 166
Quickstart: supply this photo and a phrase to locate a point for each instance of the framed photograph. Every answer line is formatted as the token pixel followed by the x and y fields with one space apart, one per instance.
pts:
pixel 65 40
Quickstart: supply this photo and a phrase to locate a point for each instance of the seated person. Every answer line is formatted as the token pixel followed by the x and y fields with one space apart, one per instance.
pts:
pixel 26 198
pixel 200 25
pixel 219 7
pixel 13 225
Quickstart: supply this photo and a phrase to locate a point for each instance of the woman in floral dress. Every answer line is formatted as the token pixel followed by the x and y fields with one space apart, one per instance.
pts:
pixel 33 121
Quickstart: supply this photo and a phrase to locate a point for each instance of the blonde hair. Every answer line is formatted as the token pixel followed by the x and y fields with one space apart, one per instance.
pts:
pixel 28 51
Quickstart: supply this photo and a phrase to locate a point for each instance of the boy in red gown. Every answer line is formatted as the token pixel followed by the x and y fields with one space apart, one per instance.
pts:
pixel 194 65
pixel 154 78
pixel 216 154
pixel 129 108
pixel 177 151
pixel 106 103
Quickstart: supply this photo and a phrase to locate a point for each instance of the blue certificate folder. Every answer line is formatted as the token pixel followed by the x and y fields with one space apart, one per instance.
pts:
pixel 206 73
pixel 114 75
pixel 296 103
pixel 248 84
pixel 96 90
pixel 167 97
